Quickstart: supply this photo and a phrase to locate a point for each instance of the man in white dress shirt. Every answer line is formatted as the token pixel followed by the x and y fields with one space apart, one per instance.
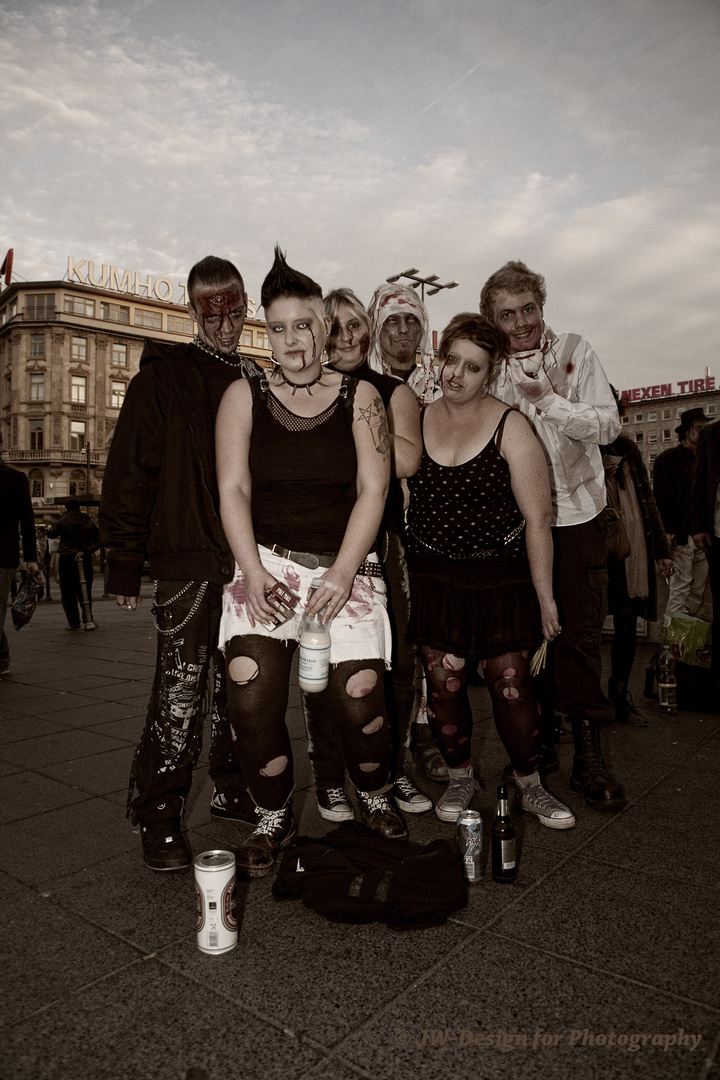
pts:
pixel 557 382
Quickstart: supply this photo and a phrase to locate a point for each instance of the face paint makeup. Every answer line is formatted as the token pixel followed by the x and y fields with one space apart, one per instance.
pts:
pixel 220 314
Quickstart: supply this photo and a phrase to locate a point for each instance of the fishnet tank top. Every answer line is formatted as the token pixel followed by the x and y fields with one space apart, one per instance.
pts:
pixel 304 471
pixel 465 511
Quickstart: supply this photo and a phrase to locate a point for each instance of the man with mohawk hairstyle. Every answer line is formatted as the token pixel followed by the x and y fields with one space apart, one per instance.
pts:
pixel 160 502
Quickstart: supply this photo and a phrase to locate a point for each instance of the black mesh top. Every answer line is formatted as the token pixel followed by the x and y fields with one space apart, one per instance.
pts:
pixel 464 511
pixel 304 471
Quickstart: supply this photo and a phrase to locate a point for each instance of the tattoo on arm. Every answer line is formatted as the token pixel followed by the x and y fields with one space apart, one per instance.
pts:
pixel 375 418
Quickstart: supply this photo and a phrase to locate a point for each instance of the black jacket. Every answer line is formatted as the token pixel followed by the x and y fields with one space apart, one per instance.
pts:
pixel 16 513
pixel 705 481
pixel 656 541
pixel 672 483
pixel 77 532
pixel 160 496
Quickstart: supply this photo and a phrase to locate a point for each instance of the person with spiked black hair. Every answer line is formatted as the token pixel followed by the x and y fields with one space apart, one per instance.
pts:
pixel 303 461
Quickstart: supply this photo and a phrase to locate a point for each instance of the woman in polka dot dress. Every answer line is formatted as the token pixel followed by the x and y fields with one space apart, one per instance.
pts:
pixel 480 556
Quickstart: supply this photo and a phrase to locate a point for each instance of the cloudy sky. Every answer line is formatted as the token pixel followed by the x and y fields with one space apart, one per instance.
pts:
pixel 368 136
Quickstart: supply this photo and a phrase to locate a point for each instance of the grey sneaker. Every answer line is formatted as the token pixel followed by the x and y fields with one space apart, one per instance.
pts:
pixel 456 797
pixel 547 809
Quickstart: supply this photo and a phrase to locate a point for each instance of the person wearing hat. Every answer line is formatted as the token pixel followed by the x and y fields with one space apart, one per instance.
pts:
pixel 672 485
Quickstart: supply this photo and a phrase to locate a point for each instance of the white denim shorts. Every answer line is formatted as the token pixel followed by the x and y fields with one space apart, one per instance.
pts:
pixel 361 630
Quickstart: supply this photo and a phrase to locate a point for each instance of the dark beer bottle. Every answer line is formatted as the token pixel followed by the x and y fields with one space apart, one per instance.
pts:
pixel 504 863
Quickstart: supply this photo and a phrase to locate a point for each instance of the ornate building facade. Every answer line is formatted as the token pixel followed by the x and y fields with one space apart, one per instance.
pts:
pixel 67 353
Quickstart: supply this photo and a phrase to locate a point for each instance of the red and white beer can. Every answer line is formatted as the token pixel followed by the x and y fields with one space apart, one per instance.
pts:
pixel 216 925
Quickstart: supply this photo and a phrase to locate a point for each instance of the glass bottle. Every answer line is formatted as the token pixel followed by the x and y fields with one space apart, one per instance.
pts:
pixel 504 863
pixel 667 682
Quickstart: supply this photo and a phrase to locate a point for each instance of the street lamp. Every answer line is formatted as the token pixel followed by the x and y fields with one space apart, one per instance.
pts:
pixel 412 275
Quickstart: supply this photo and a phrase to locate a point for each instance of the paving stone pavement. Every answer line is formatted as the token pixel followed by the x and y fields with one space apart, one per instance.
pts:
pixel 600 962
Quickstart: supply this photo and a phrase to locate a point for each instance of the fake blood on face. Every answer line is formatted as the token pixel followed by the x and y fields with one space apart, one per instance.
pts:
pixel 220 314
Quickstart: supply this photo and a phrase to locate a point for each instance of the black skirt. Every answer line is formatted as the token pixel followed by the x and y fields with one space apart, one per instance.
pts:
pixel 478 608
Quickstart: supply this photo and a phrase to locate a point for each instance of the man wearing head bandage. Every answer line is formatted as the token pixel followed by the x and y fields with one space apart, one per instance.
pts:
pixel 401 331
pixel 401 327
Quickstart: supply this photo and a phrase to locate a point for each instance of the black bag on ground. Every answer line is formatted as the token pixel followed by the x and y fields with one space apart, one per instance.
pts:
pixel 352 875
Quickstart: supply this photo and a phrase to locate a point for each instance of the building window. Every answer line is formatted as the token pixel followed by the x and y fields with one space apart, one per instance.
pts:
pixel 119 355
pixel 666 434
pixel 653 455
pixel 36 478
pixel 41 306
pixel 711 410
pixel 77 434
pixel 79 348
pixel 638 417
pixel 79 305
pixel 37 345
pixel 77 482
pixel 652 416
pixel 247 337
pixel 638 436
pixel 679 413
pixel 667 413
pixel 652 436
pixel 626 419
pixel 262 340
pixel 78 390
pixel 37 387
pixel 118 394
pixel 177 325
pixel 149 319
pixel 115 312
pixel 37 434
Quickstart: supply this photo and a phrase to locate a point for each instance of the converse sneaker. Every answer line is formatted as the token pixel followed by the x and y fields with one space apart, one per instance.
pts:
pixel 536 800
pixel 408 798
pixel 457 795
pixel 256 855
pixel 333 805
pixel 238 807
pixel 378 813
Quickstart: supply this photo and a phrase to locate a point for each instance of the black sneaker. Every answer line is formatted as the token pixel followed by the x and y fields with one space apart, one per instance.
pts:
pixel 236 807
pixel 164 845
pixel 333 805
pixel 378 813
pixel 409 798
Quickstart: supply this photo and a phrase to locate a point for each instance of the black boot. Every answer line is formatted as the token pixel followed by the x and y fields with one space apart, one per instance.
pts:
pixel 163 840
pixel 590 774
pixel 625 711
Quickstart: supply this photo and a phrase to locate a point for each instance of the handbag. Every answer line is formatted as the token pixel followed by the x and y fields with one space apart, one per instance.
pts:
pixel 611 522
pixel 25 602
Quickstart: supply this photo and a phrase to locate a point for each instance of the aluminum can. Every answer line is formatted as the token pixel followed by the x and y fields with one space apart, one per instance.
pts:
pixel 216 925
pixel 469 837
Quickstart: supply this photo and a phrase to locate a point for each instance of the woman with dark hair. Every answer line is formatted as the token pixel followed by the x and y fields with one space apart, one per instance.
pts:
pixel 347 347
pixel 303 469
pixel 632 588
pixel 480 556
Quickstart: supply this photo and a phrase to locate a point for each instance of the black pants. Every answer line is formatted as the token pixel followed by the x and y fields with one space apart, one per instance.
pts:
pixel 70 593
pixel 713 559
pixel 580 585
pixel 187 616
pixel 258 669
pixel 324 746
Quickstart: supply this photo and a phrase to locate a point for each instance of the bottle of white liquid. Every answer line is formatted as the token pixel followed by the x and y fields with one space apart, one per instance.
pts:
pixel 314 658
